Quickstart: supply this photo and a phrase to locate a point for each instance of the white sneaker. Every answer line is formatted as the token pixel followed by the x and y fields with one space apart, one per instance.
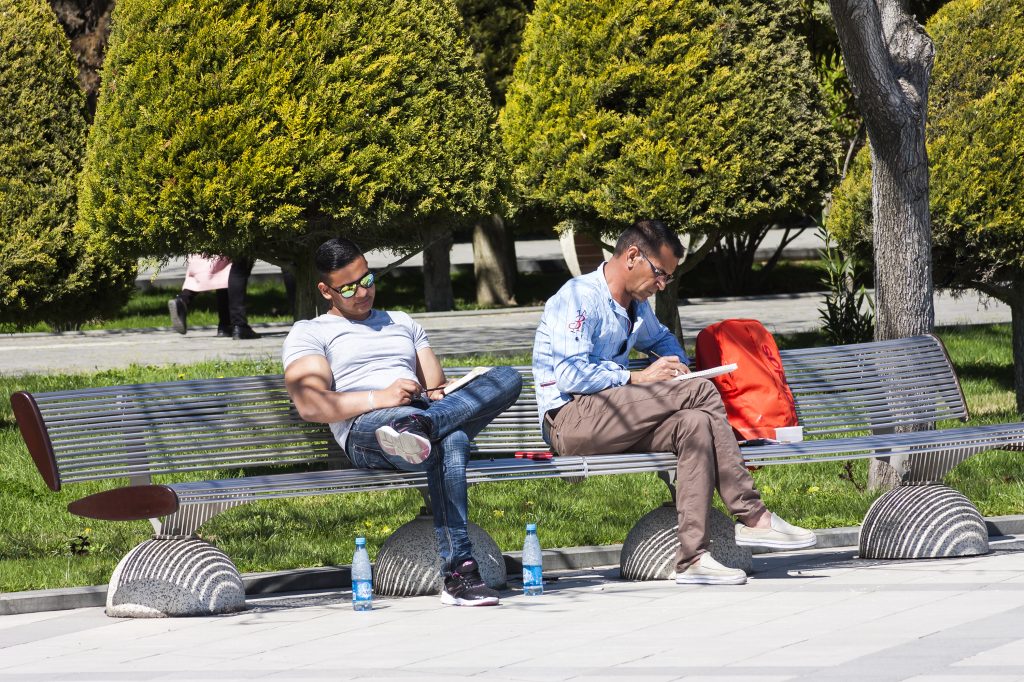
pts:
pixel 707 571
pixel 412 445
pixel 780 535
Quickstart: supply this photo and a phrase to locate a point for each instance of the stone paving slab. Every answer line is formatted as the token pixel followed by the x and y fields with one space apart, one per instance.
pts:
pixel 804 616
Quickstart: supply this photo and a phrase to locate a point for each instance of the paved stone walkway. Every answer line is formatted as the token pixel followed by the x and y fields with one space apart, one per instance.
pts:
pixel 509 330
pixel 810 616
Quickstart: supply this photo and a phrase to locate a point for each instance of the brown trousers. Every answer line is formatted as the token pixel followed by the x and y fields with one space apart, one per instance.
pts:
pixel 685 417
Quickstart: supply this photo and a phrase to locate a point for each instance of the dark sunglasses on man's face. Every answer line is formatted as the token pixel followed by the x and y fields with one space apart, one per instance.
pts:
pixel 349 290
pixel 658 272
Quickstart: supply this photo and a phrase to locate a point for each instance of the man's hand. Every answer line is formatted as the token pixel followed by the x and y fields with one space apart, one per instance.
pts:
pixel 663 369
pixel 401 392
pixel 437 394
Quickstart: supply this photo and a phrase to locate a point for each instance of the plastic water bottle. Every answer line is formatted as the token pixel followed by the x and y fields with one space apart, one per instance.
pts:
pixel 533 563
pixel 362 578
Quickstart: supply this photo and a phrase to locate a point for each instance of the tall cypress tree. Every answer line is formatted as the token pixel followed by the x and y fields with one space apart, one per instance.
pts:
pixel 261 128
pixel 705 115
pixel 49 271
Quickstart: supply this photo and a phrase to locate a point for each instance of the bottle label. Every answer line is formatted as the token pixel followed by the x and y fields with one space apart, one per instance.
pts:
pixel 532 576
pixel 362 590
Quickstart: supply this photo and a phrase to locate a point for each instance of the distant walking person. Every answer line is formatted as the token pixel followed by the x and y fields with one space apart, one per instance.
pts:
pixel 230 280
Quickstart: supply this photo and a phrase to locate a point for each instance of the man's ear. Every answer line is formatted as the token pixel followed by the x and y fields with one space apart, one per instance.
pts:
pixel 631 254
pixel 324 291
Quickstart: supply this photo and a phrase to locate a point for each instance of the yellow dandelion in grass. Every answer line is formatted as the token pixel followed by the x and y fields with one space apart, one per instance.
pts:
pixel 813 489
pixel 385 530
pixel 499 513
pixel 529 503
pixel 87 531
pixel 181 376
pixel 768 490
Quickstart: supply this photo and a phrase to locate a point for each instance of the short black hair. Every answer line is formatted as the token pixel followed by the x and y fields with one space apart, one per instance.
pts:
pixel 649 236
pixel 335 254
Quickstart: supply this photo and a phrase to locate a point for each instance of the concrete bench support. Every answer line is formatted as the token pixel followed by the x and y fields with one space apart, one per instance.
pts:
pixel 922 522
pixel 408 565
pixel 649 551
pixel 174 576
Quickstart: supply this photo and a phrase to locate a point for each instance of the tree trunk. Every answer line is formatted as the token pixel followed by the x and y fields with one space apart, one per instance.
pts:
pixel 889 59
pixel 494 281
pixel 437 270
pixel 308 301
pixel 666 306
pixel 1017 315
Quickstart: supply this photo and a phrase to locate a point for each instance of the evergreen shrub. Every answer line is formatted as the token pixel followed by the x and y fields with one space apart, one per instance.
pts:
pixel 263 127
pixel 49 271
pixel 706 115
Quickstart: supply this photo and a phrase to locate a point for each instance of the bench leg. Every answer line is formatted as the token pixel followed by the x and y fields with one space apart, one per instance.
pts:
pixel 922 522
pixel 174 576
pixel 649 552
pixel 408 563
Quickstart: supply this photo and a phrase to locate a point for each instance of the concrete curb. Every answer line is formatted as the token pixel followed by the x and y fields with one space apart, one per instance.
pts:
pixel 339 577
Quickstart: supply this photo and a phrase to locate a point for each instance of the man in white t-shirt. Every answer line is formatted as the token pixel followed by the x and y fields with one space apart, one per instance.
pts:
pixel 372 376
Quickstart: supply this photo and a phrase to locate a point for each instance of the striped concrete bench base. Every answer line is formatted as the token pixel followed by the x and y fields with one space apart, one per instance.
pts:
pixel 851 401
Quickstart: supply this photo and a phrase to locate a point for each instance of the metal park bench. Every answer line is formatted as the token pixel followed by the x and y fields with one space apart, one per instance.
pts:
pixel 155 435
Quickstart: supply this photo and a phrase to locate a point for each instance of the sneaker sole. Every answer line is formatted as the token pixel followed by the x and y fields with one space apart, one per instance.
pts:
pixel 412 449
pixel 449 600
pixel 778 544
pixel 178 323
pixel 711 580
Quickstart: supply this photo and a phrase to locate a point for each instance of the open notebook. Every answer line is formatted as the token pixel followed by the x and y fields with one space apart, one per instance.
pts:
pixel 462 381
pixel 708 373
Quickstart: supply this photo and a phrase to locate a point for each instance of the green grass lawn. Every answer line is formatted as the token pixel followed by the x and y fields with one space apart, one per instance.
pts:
pixel 43 546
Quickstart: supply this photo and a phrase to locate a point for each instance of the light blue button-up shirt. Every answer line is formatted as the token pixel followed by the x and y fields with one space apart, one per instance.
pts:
pixel 584 338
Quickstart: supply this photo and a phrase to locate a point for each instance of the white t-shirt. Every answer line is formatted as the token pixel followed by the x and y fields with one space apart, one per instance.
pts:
pixel 364 355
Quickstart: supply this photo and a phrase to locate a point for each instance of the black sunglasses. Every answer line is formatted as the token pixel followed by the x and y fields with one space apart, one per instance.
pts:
pixel 658 272
pixel 349 290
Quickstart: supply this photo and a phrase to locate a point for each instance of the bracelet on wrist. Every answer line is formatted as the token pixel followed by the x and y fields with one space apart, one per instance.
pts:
pixel 369 398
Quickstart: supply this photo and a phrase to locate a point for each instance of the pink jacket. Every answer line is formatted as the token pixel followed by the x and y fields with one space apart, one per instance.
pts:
pixel 206 274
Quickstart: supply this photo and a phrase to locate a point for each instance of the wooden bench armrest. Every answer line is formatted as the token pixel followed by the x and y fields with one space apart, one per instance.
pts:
pixel 133 503
pixel 33 431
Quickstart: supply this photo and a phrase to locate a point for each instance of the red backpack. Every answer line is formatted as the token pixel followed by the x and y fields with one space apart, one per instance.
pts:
pixel 756 396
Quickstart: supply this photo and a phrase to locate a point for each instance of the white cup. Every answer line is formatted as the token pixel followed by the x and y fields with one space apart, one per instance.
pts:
pixel 789 434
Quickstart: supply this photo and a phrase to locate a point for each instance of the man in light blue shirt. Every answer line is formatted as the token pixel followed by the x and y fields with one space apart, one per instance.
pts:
pixel 590 403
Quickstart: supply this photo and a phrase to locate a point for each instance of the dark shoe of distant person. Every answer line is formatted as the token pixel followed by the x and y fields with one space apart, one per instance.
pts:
pixel 243 331
pixel 224 332
pixel 179 314
pixel 407 437
pixel 465 587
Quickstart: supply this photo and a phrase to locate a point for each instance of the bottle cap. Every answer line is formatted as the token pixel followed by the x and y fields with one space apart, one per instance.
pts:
pixel 531 527
pixel 360 542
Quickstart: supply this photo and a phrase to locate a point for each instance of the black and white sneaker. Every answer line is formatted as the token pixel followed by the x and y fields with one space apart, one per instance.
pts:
pixel 465 587
pixel 406 437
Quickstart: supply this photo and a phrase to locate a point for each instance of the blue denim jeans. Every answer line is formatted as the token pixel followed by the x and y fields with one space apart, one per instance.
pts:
pixel 457 419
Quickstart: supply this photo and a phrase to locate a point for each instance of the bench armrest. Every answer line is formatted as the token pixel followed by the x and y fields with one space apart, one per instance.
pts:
pixel 133 503
pixel 36 437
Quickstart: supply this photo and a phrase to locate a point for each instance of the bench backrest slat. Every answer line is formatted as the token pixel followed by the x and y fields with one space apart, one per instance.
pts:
pixel 871 386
